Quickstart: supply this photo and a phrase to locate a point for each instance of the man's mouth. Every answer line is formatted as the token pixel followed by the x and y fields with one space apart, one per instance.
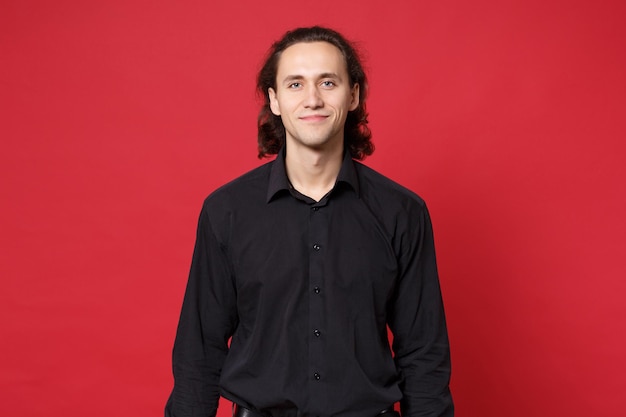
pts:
pixel 313 118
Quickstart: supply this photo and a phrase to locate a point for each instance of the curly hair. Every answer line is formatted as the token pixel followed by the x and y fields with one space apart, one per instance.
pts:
pixel 271 131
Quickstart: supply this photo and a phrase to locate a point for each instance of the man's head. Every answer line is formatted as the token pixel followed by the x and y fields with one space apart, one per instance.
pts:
pixel 271 130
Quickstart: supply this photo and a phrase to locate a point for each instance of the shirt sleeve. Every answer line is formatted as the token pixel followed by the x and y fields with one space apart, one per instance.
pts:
pixel 417 321
pixel 208 319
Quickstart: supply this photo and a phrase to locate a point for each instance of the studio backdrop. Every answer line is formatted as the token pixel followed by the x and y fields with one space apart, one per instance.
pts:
pixel 118 118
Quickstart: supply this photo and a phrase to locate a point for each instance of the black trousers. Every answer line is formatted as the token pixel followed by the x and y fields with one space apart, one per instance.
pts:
pixel 239 411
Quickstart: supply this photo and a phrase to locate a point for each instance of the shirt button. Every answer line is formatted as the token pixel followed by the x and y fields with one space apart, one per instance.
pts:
pixel 317 333
pixel 315 208
pixel 317 290
pixel 316 247
pixel 317 376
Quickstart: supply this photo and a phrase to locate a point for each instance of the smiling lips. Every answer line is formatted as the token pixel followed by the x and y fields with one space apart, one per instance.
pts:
pixel 313 118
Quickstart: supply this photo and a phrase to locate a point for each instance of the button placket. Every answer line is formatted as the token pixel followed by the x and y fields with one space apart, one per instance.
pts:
pixel 318 241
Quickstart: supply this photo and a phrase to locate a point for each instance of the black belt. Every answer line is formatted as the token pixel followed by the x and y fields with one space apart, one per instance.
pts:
pixel 239 411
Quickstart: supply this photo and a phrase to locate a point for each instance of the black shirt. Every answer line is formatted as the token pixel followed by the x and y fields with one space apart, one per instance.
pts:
pixel 306 290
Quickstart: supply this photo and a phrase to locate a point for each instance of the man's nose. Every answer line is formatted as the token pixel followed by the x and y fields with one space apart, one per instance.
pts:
pixel 313 98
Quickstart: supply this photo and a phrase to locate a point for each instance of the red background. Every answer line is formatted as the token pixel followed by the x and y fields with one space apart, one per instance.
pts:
pixel 119 117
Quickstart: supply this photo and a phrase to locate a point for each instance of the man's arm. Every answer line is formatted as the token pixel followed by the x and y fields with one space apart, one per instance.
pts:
pixel 208 319
pixel 417 320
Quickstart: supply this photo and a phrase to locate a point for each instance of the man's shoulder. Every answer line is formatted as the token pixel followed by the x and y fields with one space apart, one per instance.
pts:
pixel 247 187
pixel 376 186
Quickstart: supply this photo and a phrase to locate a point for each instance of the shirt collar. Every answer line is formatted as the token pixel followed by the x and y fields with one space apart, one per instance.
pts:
pixel 278 175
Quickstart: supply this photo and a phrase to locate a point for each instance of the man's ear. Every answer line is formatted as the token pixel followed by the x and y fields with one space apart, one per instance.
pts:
pixel 274 107
pixel 355 96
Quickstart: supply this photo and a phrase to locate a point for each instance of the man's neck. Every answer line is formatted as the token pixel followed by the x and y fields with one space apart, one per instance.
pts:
pixel 312 172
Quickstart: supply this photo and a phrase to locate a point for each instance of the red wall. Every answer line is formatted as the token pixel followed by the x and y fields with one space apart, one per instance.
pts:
pixel 119 117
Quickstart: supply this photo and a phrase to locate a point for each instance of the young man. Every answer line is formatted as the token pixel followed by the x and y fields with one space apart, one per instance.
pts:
pixel 305 261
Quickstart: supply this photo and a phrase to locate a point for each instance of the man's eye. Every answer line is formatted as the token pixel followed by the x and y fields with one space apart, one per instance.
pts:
pixel 328 84
pixel 294 85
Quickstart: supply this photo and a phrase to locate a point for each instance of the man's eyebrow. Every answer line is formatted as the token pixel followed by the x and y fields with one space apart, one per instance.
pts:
pixel 292 78
pixel 329 75
pixel 297 77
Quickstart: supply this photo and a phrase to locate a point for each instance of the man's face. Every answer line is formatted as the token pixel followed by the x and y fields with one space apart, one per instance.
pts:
pixel 313 95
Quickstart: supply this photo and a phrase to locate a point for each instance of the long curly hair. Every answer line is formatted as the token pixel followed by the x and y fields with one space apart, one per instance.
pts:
pixel 271 131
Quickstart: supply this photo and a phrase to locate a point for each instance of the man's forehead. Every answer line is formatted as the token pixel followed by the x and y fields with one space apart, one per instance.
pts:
pixel 320 56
